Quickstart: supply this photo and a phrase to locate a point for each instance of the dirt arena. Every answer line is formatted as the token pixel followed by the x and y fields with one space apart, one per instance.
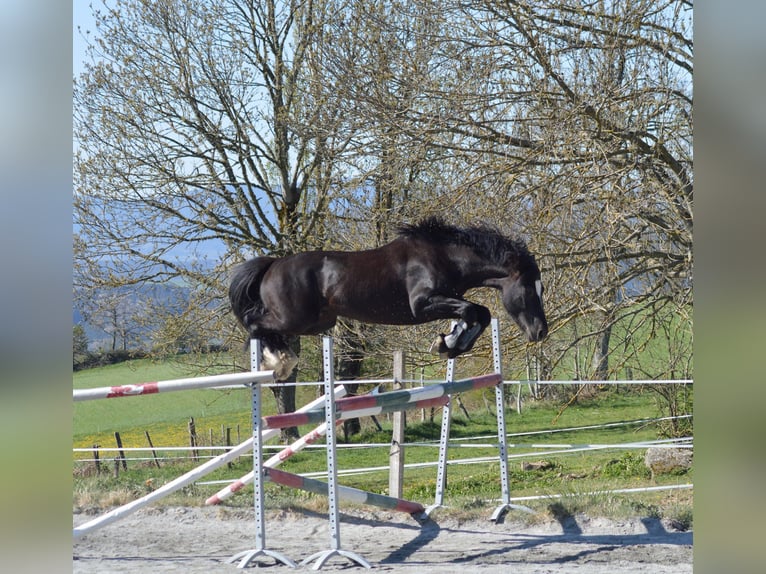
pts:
pixel 200 540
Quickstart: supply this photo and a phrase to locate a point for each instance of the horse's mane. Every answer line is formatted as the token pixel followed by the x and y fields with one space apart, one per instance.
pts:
pixel 485 240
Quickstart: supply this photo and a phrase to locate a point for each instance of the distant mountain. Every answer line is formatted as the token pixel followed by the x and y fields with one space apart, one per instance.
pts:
pixel 126 307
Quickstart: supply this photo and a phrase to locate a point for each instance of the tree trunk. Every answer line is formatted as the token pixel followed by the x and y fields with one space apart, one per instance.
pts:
pixel 350 367
pixel 285 397
pixel 601 355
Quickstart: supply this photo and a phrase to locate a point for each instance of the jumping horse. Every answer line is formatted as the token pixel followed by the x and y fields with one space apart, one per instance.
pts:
pixel 420 276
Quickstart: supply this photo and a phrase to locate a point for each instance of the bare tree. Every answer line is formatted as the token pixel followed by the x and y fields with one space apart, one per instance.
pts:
pixel 200 140
pixel 278 126
pixel 569 123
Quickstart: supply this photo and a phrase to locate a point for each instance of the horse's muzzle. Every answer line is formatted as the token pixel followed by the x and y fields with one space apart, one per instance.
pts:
pixel 537 331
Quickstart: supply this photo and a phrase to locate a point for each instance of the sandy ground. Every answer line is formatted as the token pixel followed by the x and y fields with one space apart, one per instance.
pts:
pixel 201 540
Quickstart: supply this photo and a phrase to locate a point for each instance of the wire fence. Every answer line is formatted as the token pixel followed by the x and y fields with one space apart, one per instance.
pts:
pixel 545 449
pixel 528 445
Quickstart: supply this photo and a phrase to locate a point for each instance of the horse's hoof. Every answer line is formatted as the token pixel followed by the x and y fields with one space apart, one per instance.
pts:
pixel 281 362
pixel 452 340
pixel 467 338
pixel 439 347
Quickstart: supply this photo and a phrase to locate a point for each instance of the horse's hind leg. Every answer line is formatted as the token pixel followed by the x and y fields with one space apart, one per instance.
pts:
pixel 278 356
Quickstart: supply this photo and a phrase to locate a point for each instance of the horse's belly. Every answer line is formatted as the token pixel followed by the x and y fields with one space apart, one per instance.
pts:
pixel 383 316
pixel 382 308
pixel 366 287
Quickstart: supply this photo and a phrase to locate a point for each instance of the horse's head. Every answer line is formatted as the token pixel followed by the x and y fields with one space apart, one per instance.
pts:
pixel 523 299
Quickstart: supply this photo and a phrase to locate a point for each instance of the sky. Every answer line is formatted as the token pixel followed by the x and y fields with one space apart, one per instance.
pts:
pixel 82 18
pixel 83 30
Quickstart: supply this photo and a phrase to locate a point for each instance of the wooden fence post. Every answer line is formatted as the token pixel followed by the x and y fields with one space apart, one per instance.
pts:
pixel 193 439
pixel 96 459
pixel 122 453
pixel 227 442
pixel 154 452
pixel 396 454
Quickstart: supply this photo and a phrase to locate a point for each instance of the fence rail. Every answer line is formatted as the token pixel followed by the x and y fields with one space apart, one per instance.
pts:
pixel 372 404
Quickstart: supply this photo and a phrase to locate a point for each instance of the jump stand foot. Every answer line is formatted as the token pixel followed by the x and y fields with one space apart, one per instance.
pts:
pixel 421 517
pixel 430 509
pixel 325 555
pixel 248 556
pixel 502 510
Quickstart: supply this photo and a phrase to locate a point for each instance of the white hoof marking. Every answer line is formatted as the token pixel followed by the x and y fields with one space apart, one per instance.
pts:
pixel 281 362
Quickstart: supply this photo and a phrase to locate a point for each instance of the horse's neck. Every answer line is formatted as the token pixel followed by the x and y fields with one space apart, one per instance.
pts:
pixel 477 272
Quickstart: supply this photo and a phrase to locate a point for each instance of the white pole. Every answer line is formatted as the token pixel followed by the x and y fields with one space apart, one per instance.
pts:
pixel 191 476
pixel 174 385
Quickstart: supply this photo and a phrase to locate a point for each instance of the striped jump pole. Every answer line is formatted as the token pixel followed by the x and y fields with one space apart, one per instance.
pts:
pixel 174 385
pixel 404 396
pixel 312 417
pixel 185 479
pixel 354 407
pixel 346 493
pixel 311 437
pixel 273 462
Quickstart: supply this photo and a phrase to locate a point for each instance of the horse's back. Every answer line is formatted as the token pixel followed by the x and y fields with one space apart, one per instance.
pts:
pixel 369 286
pixel 325 272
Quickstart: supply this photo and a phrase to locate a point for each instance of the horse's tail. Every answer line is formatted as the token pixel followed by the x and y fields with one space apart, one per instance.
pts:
pixel 245 288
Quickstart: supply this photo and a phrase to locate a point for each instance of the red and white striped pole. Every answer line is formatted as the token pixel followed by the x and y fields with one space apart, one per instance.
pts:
pixel 366 405
pixel 344 492
pixel 309 438
pixel 174 385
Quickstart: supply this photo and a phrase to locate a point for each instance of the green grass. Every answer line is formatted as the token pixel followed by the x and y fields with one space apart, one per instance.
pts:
pixel 164 415
pixel 478 479
pixel 471 488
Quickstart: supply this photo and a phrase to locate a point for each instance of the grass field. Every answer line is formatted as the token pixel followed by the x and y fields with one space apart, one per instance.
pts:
pixel 164 415
pixel 166 418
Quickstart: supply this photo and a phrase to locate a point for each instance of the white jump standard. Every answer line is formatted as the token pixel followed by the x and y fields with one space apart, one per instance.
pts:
pixel 247 556
pixel 332 470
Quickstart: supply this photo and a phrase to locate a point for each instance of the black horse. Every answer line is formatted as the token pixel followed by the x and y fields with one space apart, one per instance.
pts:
pixel 419 277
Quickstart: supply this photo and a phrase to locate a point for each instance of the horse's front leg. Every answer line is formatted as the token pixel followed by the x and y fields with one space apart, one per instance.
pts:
pixel 472 320
pixel 461 335
pixel 458 341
